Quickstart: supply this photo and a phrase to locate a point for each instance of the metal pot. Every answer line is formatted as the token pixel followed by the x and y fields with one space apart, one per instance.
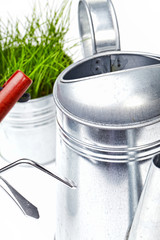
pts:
pixel 30 126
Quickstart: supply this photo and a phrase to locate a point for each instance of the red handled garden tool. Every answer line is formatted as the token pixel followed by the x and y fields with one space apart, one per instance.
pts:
pixel 11 92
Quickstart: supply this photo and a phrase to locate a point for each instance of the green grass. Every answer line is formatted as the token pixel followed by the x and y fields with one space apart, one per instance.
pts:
pixel 36 47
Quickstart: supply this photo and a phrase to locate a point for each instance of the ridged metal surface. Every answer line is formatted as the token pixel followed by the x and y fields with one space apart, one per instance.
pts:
pixel 29 130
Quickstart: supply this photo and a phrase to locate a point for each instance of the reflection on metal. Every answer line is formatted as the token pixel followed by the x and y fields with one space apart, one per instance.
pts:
pixel 30 124
pixel 134 176
pixel 98 26
pixel 146 223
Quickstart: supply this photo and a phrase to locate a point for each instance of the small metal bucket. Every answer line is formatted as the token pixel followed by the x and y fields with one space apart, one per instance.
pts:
pixel 108 124
pixel 29 131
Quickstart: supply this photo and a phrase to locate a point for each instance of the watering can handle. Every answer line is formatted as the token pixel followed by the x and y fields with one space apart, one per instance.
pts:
pixel 12 90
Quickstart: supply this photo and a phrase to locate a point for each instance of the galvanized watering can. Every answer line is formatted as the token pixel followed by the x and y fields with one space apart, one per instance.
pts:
pixel 108 124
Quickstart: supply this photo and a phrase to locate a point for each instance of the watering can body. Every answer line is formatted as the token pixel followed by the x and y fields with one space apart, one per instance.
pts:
pixel 107 133
pixel 108 124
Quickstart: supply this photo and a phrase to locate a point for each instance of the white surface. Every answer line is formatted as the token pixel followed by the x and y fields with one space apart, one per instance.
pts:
pixel 139 31
pixel 138 22
pixel 39 189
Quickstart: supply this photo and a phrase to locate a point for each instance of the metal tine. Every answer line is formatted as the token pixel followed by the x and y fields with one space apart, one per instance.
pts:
pixel 26 207
pixel 66 181
pixel 146 222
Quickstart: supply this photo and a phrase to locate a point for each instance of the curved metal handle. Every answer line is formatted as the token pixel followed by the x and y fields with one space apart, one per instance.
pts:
pixel 66 181
pixel 98 26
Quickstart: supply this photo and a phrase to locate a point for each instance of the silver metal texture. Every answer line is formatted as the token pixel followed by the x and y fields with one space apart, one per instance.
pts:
pixel 98 26
pixel 123 93
pixel 108 123
pixel 146 223
pixel 29 131
pixel 26 207
pixel 66 181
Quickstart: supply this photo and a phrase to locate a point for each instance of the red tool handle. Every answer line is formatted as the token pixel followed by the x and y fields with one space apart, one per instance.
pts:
pixel 12 90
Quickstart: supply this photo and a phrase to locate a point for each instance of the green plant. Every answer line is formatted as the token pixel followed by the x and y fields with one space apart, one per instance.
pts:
pixel 36 47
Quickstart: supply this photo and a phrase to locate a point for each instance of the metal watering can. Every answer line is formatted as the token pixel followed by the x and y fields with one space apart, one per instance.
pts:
pixel 108 124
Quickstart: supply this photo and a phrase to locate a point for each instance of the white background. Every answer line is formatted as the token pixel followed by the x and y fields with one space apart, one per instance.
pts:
pixel 138 20
pixel 139 31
